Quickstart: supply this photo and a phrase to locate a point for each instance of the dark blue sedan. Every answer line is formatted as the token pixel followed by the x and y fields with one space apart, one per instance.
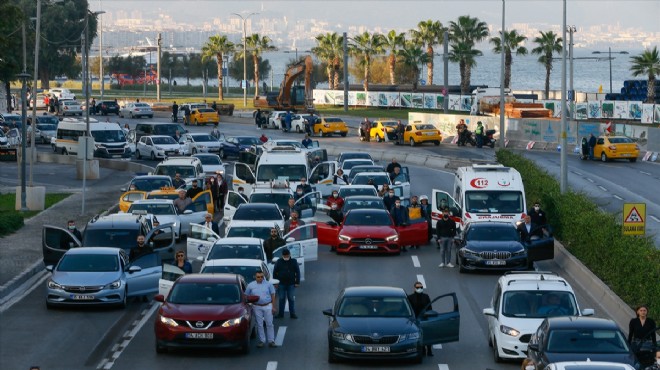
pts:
pixel 233 145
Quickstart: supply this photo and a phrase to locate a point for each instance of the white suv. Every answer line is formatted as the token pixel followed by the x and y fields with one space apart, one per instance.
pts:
pixel 520 303
pixel 189 168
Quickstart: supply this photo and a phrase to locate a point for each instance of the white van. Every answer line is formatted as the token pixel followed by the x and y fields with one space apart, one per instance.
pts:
pixel 109 138
pixel 483 192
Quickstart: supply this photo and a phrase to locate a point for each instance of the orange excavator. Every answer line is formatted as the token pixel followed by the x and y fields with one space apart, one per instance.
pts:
pixel 291 97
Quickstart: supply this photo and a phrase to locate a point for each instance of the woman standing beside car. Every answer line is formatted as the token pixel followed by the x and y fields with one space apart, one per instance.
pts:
pixel 641 336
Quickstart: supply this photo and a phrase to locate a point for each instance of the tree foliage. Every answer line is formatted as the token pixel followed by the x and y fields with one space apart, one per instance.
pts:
pixel 548 44
pixel 512 43
pixel 647 64
pixel 465 32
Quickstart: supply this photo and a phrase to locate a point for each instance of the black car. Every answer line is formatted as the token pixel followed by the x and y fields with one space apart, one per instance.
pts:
pixel 106 107
pixel 497 246
pixel 575 338
pixel 378 323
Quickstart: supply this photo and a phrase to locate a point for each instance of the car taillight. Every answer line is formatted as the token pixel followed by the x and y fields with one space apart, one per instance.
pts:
pixel 612 147
pixel 327 125
pixel 418 133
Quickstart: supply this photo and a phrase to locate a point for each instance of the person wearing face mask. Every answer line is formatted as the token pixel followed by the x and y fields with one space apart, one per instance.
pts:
pixel 223 188
pixel 527 230
pixel 286 270
pixel 290 208
pixel 241 193
pixel 389 199
pixel 71 225
pixel 656 364
pixel 292 222
pixel 306 188
pixel 419 302
pixel 335 199
pixel 400 216
pixel 212 185
pixel 445 230
pixel 426 213
pixel 336 214
pixel 538 215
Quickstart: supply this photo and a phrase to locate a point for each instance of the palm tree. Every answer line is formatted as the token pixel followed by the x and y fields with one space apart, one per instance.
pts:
pixel 257 44
pixel 647 63
pixel 512 42
pixel 393 42
pixel 412 56
pixel 366 46
pixel 548 44
pixel 329 50
pixel 464 34
pixel 429 34
pixel 215 48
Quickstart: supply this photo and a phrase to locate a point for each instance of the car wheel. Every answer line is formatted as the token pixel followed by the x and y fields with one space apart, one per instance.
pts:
pixel 412 142
pixel 420 358
pixel 159 348
pixel 124 302
pixel 153 156
pixel 343 134
pixel 461 269
pixel 633 159
pixel 222 154
pixel 378 139
pixel 603 157
pixel 496 353
pixel 138 155
pixel 490 341
pixel 437 142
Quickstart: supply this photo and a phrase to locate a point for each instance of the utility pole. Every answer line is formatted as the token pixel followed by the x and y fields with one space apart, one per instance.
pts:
pixel 563 183
pixel 345 49
pixel 445 69
pixel 244 55
pixel 160 41
pixel 571 92
pixel 502 111
pixel 37 39
pixel 101 54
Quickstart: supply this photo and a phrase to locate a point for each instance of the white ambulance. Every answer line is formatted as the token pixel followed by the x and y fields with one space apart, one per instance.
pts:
pixel 483 192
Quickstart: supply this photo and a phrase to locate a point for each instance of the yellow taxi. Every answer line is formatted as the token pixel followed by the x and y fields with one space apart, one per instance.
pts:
pixel 381 129
pixel 616 147
pixel 419 133
pixel 129 197
pixel 204 116
pixel 327 126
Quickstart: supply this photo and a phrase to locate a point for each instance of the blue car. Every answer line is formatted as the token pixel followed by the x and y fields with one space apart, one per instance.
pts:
pixel 233 145
pixel 101 276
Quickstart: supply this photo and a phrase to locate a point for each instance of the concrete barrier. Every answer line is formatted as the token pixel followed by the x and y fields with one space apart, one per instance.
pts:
pixel 114 164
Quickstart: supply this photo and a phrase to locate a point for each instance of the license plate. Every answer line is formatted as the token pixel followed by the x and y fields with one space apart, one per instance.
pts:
pixel 116 156
pixel 82 297
pixel 337 132
pixel 429 134
pixel 626 154
pixel 368 247
pixel 375 349
pixel 495 262
pixel 199 335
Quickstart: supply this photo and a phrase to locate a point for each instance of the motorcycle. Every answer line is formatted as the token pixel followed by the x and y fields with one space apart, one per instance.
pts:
pixel 490 139
pixel 466 137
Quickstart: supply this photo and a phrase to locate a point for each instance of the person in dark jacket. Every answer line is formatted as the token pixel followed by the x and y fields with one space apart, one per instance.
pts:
pixel 527 230
pixel 419 301
pixel 642 329
pixel 141 249
pixel 336 214
pixel 275 241
pixel 209 223
pixel 592 145
pixel 286 270
pixel 389 199
pixel 400 217
pixel 71 225
pixel 445 231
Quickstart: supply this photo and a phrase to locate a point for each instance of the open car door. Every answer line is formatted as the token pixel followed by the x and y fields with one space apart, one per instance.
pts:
pixel 318 152
pixel 308 205
pixel 195 211
pixel 200 240
pixel 167 278
pixel 243 176
pixel 327 233
pixel 540 249
pixel 297 252
pixel 232 201
pixel 442 324
pixel 162 238
pixel 403 180
pixel 414 233
pixel 55 241
pixel 441 199
pixel 307 237
pixel 207 198
pixel 129 197
pixel 322 177
pixel 248 158
pixel 143 281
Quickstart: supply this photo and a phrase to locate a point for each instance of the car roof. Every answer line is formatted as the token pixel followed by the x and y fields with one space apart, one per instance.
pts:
pixel 363 198
pixel 234 262
pixel 597 365
pixel 156 136
pixel 150 177
pixel 533 280
pixel 491 224
pixel 368 211
pixel 361 186
pixel 580 322
pixel 373 291
pixel 258 205
pixel 116 219
pixel 239 240
pixel 372 174
pixel 93 250
pixel 153 201
pixel 252 223
pixel 208 278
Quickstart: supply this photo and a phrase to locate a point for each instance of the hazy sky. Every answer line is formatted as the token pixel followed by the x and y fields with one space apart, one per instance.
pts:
pixel 643 14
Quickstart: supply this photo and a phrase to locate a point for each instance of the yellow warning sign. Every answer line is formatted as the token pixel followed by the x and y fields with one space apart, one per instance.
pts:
pixel 634 218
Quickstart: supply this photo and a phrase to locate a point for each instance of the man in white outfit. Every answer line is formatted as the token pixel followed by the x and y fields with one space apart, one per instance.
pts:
pixel 263 309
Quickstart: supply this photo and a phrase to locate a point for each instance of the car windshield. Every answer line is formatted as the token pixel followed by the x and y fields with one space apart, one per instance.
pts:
pixel 151 184
pixel 249 232
pixel 46 127
pixel 171 171
pixel 209 159
pixel 264 213
pixel 206 110
pixel 48 119
pixel 203 138
pixel 247 272
pixel 154 209
pixel 247 141
pixel 163 140
pixel 586 341
pixel 109 136
pixel 280 199
pixel 370 204
pixel 347 192
pixel 362 169
pixel 168 130
pixel 205 293
pixel 350 164
pixel 368 219
pixel 225 251
pixel 70 103
pixel 374 307
pixel 364 180
pixel 389 123
pixel 538 303
pixel 141 105
pixel 492 233
pixel 268 172
pixel 345 156
pixel 425 127
pixel 116 238
pixel 494 201
pixel 620 140
pixel 171 196
pixel 333 120
pixel 88 263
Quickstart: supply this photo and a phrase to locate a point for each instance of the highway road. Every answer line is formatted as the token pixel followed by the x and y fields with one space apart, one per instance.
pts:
pixel 124 339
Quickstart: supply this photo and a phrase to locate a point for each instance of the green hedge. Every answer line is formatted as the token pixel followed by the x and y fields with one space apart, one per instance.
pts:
pixel 10 221
pixel 630 266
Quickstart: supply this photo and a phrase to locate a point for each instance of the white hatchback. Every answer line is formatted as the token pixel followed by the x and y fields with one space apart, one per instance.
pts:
pixel 157 146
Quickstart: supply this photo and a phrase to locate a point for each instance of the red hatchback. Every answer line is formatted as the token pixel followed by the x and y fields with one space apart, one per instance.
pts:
pixel 371 231
pixel 205 311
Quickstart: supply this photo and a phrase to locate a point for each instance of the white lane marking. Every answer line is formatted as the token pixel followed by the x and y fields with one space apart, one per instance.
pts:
pixel 279 338
pixel 602 188
pixel 645 173
pixel 437 346
pixel 577 173
pixel 443 367
pixel 286 306
pixel 420 278
pixel 271 365
pixel 31 284
pixel 415 260
pixel 590 180
pixel 654 218
pixel 617 197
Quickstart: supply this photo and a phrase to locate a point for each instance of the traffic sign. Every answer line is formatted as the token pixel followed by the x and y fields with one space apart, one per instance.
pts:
pixel 634 221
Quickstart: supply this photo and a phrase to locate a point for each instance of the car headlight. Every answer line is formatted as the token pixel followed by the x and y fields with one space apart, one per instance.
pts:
pixel 392 238
pixel 521 252
pixel 232 322
pixel 342 336
pixel 466 252
pixel 98 146
pixel 158 148
pixel 169 322
pixel 509 331
pixel 344 238
pixel 54 285
pixel 410 336
pixel 114 285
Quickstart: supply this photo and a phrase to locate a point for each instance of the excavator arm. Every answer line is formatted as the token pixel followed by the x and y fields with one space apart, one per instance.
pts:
pixel 284 100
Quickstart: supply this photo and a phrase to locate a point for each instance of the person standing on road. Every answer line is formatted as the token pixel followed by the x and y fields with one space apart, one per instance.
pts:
pixel 215 133
pixel 257 118
pixel 400 217
pixel 445 231
pixel 539 218
pixel 175 112
pixel 641 335
pixel 335 199
pixel 183 201
pixel 264 308
pixel 392 165
pixel 419 302
pixel 71 225
pixel 286 270
pixel 289 209
pixel 288 117
pixel 177 181
pixel 592 145
pixel 141 249
pixel 400 129
pixel 186 113
pixel 527 230
pixel 390 199
pixel 194 190
pixel 181 262
pixel 210 224
pixel 292 222
pixel 336 214
pixel 223 188
pixel 479 133
pixel 415 211
pixel 271 244
pixel 92 107
pixel 427 213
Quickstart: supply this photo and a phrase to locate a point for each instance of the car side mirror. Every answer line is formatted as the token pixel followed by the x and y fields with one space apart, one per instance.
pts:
pixel 123 190
pixel 274 259
pixel 211 239
pixel 290 239
pixel 533 346
pixel 588 312
pixel 226 219
pixel 328 312
pixel 159 298
pixel 489 312
pixel 187 212
pixel 50 268
pixel 133 269
pixel 200 258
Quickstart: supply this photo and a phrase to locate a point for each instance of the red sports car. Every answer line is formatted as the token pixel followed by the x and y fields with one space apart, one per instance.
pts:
pixel 205 311
pixel 371 231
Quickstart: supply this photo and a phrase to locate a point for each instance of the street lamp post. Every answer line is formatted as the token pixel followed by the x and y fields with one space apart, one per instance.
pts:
pixel 244 55
pixel 345 52
pixel 23 77
pixel 563 177
pixel 609 52
pixel 502 110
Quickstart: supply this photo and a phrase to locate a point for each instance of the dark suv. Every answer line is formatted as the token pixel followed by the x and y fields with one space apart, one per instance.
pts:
pixel 105 107
pixel 155 128
pixel 118 230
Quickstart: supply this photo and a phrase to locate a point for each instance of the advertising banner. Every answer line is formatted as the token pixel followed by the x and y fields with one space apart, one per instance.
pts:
pixel 647 113
pixel 656 115
pixel 418 100
pixel 634 110
pixel 621 109
pixel 406 100
pixel 430 101
pixel 581 110
pixel 593 109
pixel 607 109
